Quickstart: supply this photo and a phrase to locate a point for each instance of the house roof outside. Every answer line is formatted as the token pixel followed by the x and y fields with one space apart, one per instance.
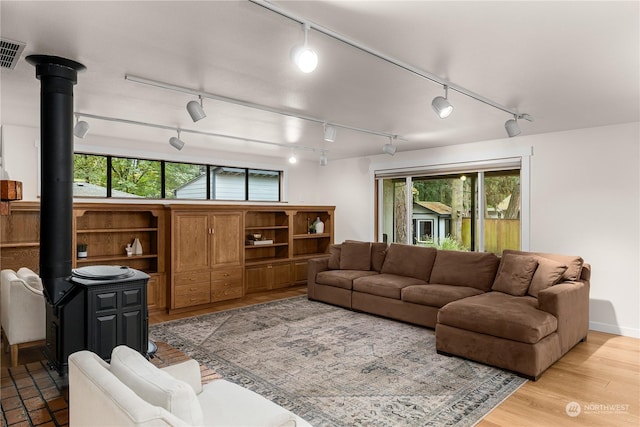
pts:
pixel 437 207
pixel 85 189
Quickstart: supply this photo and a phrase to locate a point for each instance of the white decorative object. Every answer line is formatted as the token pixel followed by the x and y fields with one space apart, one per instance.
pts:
pixel 319 226
pixel 137 247
pixel 129 249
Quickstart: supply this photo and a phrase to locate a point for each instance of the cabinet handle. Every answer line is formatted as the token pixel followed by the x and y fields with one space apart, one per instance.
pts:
pixel 193 289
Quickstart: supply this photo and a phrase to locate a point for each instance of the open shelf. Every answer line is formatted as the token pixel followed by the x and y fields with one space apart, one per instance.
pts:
pixel 117 230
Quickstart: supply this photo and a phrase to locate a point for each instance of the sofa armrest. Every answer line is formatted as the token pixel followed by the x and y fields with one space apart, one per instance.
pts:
pixel 315 266
pixel 189 372
pixel 569 303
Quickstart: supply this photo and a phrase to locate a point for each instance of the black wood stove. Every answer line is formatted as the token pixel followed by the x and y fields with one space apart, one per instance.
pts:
pixel 96 307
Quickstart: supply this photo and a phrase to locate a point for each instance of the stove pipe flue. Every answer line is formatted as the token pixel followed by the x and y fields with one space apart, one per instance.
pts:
pixel 57 76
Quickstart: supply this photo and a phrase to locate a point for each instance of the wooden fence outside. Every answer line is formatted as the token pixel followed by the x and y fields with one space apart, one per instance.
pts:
pixel 499 234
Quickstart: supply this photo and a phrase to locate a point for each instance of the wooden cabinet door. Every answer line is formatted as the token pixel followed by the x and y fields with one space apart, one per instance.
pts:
pixel 258 278
pixel 190 241
pixel 281 275
pixel 227 244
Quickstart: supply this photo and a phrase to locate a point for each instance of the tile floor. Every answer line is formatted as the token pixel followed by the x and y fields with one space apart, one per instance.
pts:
pixel 34 395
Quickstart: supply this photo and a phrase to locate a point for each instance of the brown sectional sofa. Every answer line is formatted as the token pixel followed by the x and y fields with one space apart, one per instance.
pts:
pixel 520 312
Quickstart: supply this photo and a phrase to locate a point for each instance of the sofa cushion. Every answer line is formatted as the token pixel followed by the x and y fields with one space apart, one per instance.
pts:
pixel 515 274
pixel 378 254
pixel 500 315
pixel 547 274
pixel 355 256
pixel 30 277
pixel 408 260
pixel 573 263
pixel 156 386
pixel 334 257
pixel 436 295
pixel 474 269
pixel 341 278
pixel 384 285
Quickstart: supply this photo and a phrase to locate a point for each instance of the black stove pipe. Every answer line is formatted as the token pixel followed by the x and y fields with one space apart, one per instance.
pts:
pixel 57 76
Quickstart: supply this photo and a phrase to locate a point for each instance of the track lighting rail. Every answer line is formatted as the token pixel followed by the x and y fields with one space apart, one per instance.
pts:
pixel 199 132
pixel 407 67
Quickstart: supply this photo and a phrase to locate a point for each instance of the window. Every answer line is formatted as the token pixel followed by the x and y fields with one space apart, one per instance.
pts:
pixel 135 178
pixel 109 176
pixel 476 210
pixel 185 181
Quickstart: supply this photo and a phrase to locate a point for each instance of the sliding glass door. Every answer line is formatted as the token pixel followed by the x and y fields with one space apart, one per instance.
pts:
pixel 466 211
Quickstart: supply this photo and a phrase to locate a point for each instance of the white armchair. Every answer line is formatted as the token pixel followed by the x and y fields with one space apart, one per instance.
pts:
pixel 131 391
pixel 22 308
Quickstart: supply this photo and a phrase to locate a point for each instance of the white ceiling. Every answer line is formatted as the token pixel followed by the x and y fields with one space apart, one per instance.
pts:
pixel 569 64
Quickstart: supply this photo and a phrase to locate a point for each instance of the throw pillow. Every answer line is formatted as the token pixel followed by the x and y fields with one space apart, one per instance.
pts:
pixel 156 386
pixel 30 277
pixel 355 256
pixel 515 274
pixel 334 257
pixel 547 274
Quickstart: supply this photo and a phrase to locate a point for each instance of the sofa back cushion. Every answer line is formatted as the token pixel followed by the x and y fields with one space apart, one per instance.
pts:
pixel 334 257
pixel 408 260
pixel 378 254
pixel 355 255
pixel 548 273
pixel 573 263
pixel 473 269
pixel 515 274
pixel 155 386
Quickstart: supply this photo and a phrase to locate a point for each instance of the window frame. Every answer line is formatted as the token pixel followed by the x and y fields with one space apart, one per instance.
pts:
pixel 209 170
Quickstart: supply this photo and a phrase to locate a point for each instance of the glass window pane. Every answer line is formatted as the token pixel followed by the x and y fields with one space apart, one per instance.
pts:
pixel 264 185
pixel 185 181
pixel 89 175
pixel 394 210
pixel 135 178
pixel 442 209
pixel 502 211
pixel 228 183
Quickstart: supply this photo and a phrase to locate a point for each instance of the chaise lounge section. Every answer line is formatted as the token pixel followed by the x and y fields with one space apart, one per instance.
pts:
pixel 520 312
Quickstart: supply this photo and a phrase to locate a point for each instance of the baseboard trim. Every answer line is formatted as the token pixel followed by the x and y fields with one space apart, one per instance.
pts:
pixel 614 329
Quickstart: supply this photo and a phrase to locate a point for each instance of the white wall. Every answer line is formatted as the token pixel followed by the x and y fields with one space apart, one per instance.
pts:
pixel 578 180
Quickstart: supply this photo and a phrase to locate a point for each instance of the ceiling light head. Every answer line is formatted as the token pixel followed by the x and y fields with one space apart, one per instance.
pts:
pixel 81 128
pixel 329 133
pixel 441 105
pixel 176 143
pixel 196 111
pixel 512 127
pixel 323 159
pixel 303 56
pixel 389 148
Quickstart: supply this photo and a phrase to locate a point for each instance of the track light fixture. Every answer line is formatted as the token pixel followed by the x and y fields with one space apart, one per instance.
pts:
pixel 389 148
pixel 196 110
pixel 512 127
pixel 81 128
pixel 323 159
pixel 176 143
pixel 329 133
pixel 441 105
pixel 302 55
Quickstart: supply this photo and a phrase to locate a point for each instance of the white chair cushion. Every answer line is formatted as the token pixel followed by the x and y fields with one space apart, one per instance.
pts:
pixel 30 277
pixel 227 404
pixel 155 386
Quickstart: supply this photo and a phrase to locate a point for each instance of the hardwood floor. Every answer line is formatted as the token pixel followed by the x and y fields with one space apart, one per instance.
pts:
pixel 601 375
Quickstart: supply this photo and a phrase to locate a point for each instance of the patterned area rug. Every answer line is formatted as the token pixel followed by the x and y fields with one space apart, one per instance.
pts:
pixel 335 367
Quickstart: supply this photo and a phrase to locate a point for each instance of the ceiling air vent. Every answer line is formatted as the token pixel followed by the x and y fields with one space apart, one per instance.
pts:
pixel 10 52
